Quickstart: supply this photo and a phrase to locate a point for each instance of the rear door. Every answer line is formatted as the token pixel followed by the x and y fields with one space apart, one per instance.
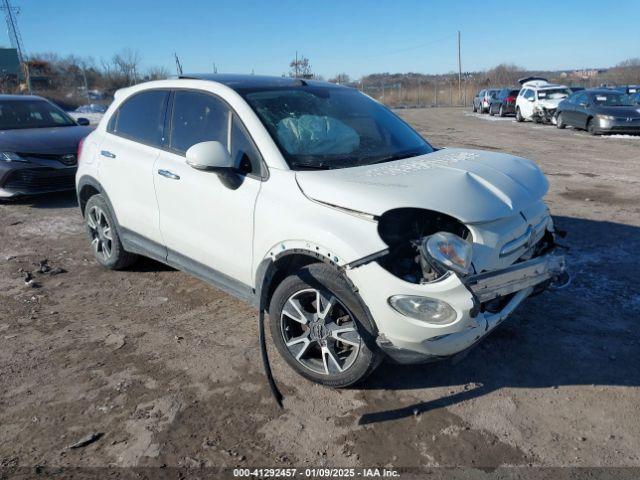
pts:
pixel 206 219
pixel 128 153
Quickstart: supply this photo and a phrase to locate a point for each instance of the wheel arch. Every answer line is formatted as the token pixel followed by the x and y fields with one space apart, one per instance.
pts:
pixel 87 187
pixel 274 269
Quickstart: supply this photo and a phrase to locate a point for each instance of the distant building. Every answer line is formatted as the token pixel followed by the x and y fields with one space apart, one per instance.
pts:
pixel 10 64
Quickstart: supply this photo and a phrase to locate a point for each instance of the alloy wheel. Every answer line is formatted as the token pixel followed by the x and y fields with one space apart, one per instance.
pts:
pixel 319 332
pixel 101 233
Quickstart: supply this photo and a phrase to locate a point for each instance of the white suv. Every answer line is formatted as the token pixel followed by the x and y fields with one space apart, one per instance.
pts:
pixel 322 207
pixel 538 100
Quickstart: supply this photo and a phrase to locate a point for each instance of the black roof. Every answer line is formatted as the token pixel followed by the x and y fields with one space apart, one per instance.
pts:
pixel 243 81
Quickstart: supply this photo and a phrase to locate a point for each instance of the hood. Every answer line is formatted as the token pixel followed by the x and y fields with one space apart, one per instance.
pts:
pixel 55 140
pixel 470 185
pixel 629 112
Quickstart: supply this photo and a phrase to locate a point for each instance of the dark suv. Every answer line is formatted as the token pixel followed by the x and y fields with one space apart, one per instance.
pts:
pixel 504 103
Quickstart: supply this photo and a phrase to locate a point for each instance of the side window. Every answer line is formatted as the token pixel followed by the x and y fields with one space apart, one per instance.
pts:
pixel 529 94
pixel 141 117
pixel 198 117
pixel 243 152
pixel 580 99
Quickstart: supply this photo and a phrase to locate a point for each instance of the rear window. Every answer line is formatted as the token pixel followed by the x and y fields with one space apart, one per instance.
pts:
pixel 513 93
pixel 141 118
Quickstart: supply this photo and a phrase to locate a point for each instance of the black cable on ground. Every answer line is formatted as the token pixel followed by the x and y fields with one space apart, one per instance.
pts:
pixel 265 358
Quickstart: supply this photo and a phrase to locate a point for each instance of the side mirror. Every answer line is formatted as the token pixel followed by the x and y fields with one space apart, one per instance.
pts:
pixel 210 157
pixel 83 121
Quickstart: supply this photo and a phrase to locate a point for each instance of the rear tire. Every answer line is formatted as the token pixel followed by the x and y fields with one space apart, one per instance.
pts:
pixel 501 111
pixel 475 109
pixel 519 117
pixel 333 345
pixel 103 233
pixel 491 113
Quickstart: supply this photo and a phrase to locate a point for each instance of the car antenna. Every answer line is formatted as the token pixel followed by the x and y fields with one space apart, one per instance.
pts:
pixel 265 356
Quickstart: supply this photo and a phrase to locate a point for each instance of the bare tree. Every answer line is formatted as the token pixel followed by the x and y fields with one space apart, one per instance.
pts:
pixel 341 79
pixel 127 62
pixel 157 73
pixel 300 67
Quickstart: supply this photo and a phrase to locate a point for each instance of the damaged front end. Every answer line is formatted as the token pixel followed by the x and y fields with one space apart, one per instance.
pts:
pixel 545 114
pixel 438 290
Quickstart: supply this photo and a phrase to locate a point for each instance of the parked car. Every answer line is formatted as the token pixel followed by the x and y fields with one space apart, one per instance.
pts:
pixel 483 99
pixel 576 89
pixel 599 111
pixel 504 102
pixel 38 146
pixel 92 108
pixel 318 204
pixel 538 99
pixel 634 93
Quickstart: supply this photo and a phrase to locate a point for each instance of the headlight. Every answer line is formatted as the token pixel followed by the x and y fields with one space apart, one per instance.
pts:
pixel 423 308
pixel 12 157
pixel 606 117
pixel 448 251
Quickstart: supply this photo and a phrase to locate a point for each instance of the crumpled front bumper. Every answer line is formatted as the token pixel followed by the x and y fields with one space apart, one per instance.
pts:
pixel 409 340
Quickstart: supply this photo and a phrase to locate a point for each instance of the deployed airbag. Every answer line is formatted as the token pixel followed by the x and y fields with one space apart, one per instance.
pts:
pixel 316 135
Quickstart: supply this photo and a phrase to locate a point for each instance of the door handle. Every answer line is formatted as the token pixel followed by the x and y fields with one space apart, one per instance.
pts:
pixel 108 154
pixel 168 174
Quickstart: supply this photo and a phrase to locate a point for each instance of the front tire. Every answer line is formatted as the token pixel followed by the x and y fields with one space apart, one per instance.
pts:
pixel 105 241
pixel 519 117
pixel 559 122
pixel 322 329
pixel 591 127
pixel 501 111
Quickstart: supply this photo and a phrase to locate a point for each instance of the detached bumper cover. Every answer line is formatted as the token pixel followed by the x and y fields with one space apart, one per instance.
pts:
pixel 487 286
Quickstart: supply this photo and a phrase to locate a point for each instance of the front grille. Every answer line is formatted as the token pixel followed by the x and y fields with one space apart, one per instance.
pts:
pixel 41 180
pixel 69 159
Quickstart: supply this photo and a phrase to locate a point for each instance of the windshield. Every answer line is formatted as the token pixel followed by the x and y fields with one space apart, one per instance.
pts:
pixel 16 114
pixel 332 127
pixel 613 99
pixel 553 93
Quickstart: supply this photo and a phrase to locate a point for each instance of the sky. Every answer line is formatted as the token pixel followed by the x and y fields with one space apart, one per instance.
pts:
pixel 357 37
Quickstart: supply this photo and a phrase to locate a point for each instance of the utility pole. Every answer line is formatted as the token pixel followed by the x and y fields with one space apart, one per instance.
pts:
pixel 215 68
pixel 16 39
pixel 459 70
pixel 296 65
pixel 178 64
pixel 419 91
pixel 435 90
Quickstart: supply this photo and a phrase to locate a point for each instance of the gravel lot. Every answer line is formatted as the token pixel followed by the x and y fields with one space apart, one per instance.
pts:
pixel 168 369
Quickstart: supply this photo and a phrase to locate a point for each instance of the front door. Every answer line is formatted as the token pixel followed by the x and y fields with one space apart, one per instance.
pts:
pixel 206 219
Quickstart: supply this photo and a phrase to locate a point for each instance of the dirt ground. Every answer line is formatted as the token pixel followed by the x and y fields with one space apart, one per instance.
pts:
pixel 168 369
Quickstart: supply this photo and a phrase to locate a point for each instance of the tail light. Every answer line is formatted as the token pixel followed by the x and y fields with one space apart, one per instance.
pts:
pixel 80 143
pixel 511 99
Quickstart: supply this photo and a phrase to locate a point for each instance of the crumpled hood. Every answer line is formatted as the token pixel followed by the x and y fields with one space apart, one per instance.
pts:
pixel 54 140
pixel 470 185
pixel 550 103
